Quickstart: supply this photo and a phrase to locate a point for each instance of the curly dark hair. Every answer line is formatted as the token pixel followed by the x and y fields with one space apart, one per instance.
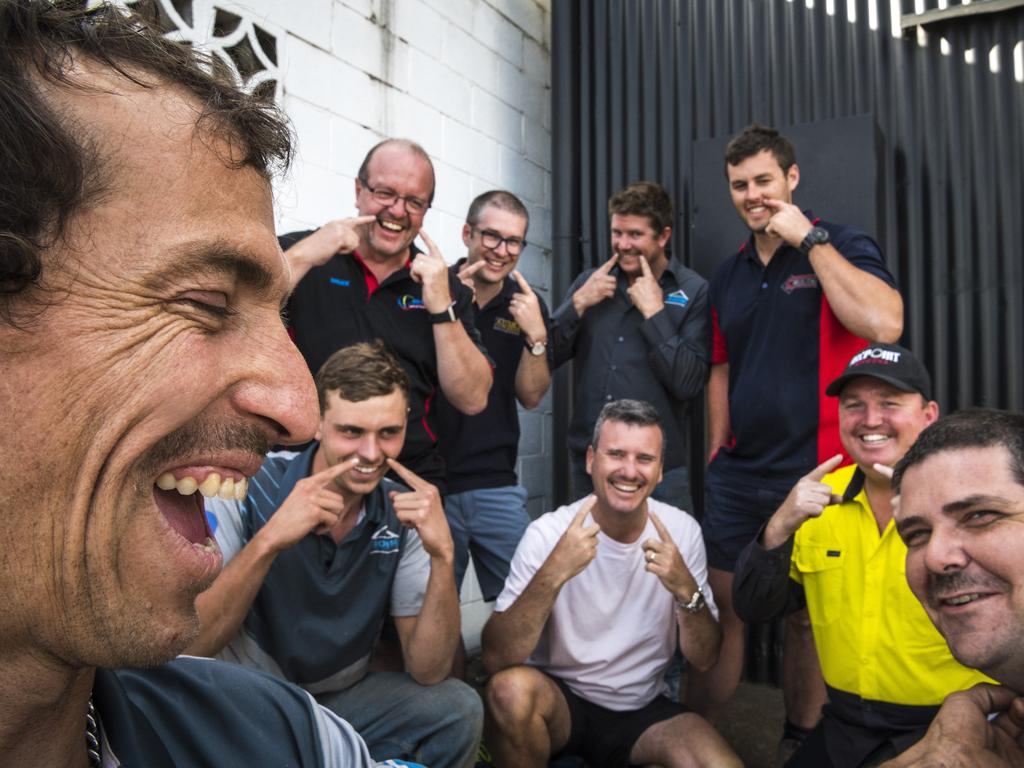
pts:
pixel 51 168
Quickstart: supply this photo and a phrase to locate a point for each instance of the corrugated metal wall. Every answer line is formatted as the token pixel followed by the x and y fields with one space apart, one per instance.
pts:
pixel 636 82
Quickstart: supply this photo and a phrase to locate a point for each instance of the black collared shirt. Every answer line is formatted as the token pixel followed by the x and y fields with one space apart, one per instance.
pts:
pixel 480 451
pixel 663 360
pixel 333 306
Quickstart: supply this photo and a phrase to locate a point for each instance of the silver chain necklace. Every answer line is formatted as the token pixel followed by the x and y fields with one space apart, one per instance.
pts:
pixel 92 737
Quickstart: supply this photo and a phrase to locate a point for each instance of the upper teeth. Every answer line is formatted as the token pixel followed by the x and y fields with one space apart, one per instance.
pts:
pixel 874 438
pixel 962 599
pixel 365 470
pixel 628 487
pixel 213 485
pixel 390 225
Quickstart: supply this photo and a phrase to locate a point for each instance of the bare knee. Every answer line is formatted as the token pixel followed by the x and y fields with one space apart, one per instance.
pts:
pixel 511 696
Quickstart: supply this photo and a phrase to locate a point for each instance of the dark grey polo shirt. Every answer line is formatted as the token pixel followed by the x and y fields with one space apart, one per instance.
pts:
pixel 663 360
pixel 320 609
pixel 199 712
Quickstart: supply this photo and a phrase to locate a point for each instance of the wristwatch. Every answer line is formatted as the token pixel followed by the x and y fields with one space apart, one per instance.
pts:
pixel 816 236
pixel 537 348
pixel 696 604
pixel 446 316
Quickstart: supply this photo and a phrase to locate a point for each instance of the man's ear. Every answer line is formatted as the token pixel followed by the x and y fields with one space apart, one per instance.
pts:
pixel 664 237
pixel 793 176
pixel 590 459
pixel 467 234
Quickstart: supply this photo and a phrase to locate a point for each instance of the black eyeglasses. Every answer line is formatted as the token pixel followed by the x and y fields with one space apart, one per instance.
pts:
pixel 388 197
pixel 492 241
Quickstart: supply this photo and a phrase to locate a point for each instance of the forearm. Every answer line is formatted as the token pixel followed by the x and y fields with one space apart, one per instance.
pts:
pixel 463 371
pixel 532 379
pixel 700 638
pixel 222 608
pixel 718 408
pixel 430 646
pixel 862 302
pixel 510 637
pixel 761 588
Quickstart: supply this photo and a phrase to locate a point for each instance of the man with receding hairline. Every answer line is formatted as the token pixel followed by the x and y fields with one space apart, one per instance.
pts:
pixel 363 278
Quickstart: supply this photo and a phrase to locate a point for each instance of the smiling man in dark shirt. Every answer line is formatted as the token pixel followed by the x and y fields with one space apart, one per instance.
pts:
pixel 638 327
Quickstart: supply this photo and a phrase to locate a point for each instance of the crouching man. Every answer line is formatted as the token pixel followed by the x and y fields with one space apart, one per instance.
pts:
pixel 597 596
pixel 323 548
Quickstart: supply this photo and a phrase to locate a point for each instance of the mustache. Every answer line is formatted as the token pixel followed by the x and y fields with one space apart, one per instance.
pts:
pixel 193 438
pixel 958 581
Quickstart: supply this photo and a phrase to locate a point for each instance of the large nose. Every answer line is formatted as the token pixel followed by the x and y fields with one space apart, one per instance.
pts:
pixel 872 414
pixel 944 551
pixel 277 387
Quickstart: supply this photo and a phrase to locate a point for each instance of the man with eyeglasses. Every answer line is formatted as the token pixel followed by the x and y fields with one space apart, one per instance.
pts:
pixel 362 278
pixel 485 505
pixel 638 326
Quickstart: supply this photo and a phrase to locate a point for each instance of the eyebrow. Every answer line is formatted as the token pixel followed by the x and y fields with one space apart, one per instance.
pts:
pixel 953 508
pixel 217 257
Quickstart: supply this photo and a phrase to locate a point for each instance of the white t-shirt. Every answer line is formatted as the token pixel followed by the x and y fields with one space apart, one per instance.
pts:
pixel 612 631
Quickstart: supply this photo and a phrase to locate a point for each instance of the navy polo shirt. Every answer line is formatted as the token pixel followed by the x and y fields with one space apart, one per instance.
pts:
pixel 773 326
pixel 480 451
pixel 317 615
pixel 340 303
pixel 200 712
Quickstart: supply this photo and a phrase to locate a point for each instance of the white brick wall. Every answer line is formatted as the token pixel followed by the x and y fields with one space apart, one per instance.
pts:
pixel 467 79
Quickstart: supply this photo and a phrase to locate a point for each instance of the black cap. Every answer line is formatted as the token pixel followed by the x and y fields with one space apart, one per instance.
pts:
pixel 892 364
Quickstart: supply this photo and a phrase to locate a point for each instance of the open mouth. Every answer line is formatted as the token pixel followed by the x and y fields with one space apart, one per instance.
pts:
pixel 367 470
pixel 625 487
pixel 967 598
pixel 874 439
pixel 179 497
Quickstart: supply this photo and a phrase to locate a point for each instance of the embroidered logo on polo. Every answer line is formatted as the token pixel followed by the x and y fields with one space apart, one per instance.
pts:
pixel 384 542
pixel 795 282
pixel 338 281
pixel 505 325
pixel 678 298
pixel 407 302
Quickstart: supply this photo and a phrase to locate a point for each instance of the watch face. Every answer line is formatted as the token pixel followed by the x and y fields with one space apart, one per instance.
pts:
pixel 537 349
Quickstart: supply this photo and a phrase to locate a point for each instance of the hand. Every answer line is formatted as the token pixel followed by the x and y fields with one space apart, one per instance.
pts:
pixel 887 472
pixel 662 558
pixel 314 504
pixel 645 293
pixel 578 545
pixel 525 310
pixel 338 236
pixel 808 499
pixel 598 287
pixel 466 275
pixel 421 509
pixel 429 270
pixel 962 736
pixel 787 222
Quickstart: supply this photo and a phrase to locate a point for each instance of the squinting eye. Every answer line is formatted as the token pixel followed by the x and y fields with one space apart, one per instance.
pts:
pixel 211 302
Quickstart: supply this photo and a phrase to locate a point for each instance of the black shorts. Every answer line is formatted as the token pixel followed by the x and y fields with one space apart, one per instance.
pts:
pixel 604 737
pixel 733 514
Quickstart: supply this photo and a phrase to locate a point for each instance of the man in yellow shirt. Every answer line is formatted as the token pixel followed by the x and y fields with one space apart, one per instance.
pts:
pixel 833 547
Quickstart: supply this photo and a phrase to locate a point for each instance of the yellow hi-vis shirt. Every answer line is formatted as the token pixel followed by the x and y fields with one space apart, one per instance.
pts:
pixel 873 637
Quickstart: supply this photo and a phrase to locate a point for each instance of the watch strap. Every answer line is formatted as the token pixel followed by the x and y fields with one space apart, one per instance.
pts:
pixel 446 316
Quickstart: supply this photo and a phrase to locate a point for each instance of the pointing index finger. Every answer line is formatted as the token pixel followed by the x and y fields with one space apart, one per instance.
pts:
pixel 358 221
pixel 431 245
pixel 663 533
pixel 523 285
pixel 825 467
pixel 411 479
pixel 772 203
pixel 325 476
pixel 883 469
pixel 583 511
pixel 645 267
pixel 471 269
pixel 607 266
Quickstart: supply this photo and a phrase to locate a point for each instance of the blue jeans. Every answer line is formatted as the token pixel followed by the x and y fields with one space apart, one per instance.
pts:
pixel 436 725
pixel 489 522
pixel 673 489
